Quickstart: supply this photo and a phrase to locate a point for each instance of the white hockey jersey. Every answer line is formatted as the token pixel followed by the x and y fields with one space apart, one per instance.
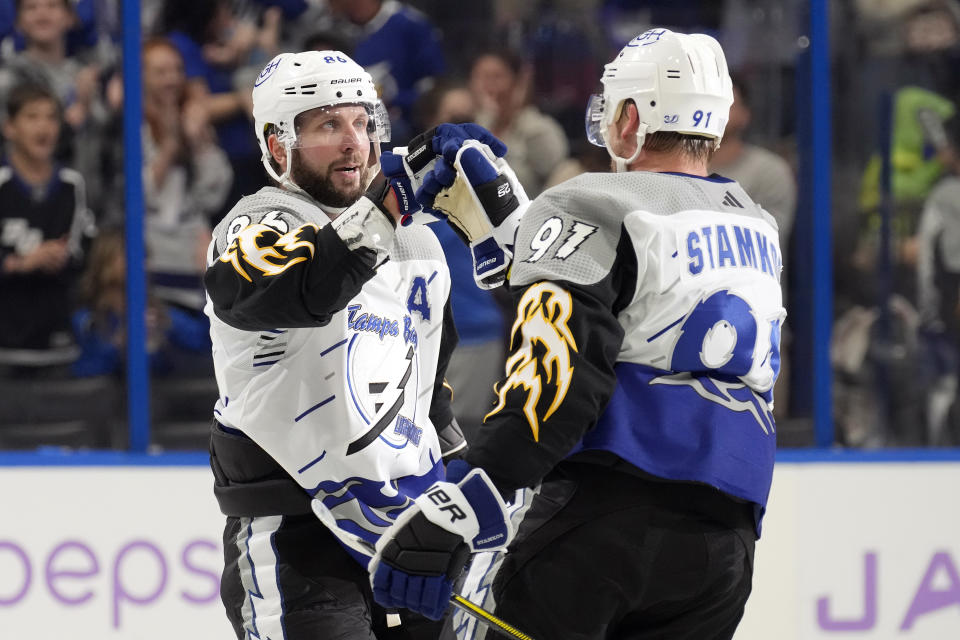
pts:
pixel 330 367
pixel 648 326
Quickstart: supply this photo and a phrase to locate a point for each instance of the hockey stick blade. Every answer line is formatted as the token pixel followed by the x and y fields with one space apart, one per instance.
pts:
pixel 363 547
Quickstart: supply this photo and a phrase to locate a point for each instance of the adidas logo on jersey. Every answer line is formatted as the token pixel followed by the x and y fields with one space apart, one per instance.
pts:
pixel 730 201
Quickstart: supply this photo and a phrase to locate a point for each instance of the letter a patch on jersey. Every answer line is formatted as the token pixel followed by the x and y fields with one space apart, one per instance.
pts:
pixel 543 358
pixel 417 300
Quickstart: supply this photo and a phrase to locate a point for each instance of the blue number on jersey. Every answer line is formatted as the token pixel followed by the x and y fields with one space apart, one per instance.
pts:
pixel 718 336
pixel 417 300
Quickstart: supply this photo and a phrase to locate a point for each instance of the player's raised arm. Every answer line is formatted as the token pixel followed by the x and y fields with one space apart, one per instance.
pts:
pixel 270 273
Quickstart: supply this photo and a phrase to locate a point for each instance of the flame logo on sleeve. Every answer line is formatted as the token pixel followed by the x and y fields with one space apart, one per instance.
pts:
pixel 267 250
pixel 542 316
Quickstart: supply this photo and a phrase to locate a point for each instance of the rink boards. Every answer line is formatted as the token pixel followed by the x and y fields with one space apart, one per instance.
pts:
pixel 127 547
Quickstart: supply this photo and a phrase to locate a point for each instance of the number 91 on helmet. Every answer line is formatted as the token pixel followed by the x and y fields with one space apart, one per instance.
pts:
pixel 678 82
pixel 326 81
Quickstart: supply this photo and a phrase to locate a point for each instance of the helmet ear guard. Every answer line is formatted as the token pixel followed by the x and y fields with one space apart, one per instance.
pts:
pixel 678 82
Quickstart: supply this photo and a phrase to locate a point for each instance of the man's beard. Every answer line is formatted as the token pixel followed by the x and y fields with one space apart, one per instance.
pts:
pixel 320 187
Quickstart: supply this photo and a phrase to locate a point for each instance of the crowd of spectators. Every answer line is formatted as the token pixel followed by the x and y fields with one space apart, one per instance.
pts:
pixel 524 70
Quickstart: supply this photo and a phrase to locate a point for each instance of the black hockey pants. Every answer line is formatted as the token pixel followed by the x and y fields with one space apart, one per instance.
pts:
pixel 287 578
pixel 605 555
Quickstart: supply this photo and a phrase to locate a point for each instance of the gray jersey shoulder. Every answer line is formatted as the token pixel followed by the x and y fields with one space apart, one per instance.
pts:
pixel 416 242
pixel 277 208
pixel 571 231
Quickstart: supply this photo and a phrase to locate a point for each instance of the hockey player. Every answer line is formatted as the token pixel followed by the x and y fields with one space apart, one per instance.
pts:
pixel 638 393
pixel 331 332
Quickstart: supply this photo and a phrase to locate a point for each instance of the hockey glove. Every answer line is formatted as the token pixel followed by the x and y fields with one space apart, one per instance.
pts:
pixel 401 181
pixel 483 200
pixel 406 167
pixel 367 224
pixel 421 555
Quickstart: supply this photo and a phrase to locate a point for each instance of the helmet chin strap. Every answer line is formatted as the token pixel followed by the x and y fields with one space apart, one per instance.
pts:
pixel 373 163
pixel 284 179
pixel 621 163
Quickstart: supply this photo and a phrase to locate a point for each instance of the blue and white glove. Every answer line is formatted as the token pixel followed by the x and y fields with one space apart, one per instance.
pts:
pixel 421 555
pixel 480 195
pixel 406 167
pixel 392 166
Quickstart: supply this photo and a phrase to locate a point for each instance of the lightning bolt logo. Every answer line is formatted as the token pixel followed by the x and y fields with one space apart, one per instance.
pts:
pixel 268 251
pixel 542 316
pixel 385 419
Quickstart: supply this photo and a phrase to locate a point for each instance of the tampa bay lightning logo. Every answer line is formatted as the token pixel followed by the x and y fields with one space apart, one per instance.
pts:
pixel 648 37
pixel 383 377
pixel 268 70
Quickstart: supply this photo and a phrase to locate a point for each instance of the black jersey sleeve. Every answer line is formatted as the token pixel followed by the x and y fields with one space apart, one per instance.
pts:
pixel 559 375
pixel 266 279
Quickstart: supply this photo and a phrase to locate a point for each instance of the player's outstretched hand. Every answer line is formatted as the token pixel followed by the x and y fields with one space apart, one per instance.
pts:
pixel 421 555
pixel 406 167
pixel 480 195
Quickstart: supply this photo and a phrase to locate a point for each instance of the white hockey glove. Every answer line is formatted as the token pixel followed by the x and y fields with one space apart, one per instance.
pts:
pixel 367 223
pixel 406 167
pixel 483 200
pixel 421 555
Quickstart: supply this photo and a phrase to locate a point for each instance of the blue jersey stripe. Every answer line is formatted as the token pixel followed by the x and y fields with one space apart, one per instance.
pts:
pixel 689 427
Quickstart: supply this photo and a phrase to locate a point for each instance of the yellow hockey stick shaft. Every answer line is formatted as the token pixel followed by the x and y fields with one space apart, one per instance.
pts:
pixel 488 618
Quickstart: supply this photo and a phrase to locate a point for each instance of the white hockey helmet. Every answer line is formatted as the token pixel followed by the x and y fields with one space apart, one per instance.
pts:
pixel 293 83
pixel 679 82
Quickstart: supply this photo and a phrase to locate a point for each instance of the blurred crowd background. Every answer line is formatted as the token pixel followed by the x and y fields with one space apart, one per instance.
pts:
pixel 524 69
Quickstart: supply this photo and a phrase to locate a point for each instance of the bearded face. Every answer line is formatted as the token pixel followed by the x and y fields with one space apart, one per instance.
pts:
pixel 331 157
pixel 338 184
